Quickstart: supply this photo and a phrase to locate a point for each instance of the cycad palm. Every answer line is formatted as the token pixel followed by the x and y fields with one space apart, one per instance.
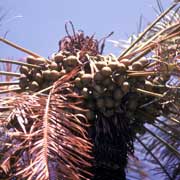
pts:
pixel 79 126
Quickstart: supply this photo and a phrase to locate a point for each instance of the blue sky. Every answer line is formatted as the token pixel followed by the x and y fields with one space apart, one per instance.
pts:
pixel 40 23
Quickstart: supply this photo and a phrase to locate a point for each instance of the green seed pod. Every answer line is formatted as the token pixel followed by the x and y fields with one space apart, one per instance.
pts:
pixel 58 57
pixel 109 102
pixel 106 71
pixel 24 70
pixel 117 94
pixel 86 79
pixel 34 86
pixel 100 64
pixel 136 66
pixel 125 87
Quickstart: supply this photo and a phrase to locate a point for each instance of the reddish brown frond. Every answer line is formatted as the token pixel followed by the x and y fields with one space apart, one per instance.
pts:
pixel 54 143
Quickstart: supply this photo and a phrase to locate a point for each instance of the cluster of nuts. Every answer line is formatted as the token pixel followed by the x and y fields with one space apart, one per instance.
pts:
pixel 104 87
pixel 45 72
pixel 103 81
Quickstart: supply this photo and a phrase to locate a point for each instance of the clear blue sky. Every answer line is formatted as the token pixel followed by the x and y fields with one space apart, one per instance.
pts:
pixel 42 22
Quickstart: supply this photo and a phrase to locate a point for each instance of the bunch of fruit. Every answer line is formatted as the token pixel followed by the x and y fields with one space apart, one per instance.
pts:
pixel 102 80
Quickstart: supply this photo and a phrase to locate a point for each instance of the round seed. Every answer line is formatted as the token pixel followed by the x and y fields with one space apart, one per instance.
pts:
pixel 117 94
pixel 34 86
pixel 121 68
pixel 54 75
pixel 86 79
pixel 24 70
pixel 126 62
pixel 100 64
pixel 23 81
pixel 106 71
pixel 109 103
pixel 58 58
pixel 90 115
pixel 113 65
pixel 85 92
pixel 36 61
pixel 136 66
pixel 38 77
pixel 78 82
pixel 53 66
pixel 100 103
pixel 71 60
pixel 107 82
pixel 144 61
pixel 98 77
pixel 46 74
pixel 125 87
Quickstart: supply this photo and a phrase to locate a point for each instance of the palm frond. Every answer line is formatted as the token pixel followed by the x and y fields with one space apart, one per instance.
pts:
pixel 49 140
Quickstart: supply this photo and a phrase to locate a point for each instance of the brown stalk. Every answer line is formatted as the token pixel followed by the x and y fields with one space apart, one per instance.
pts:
pixel 10 73
pixel 9 83
pixel 18 63
pixel 147 47
pixel 150 93
pixel 156 36
pixel 134 74
pixel 19 47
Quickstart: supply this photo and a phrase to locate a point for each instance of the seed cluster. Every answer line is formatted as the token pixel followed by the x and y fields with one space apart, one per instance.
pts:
pixel 46 72
pixel 103 81
pixel 107 84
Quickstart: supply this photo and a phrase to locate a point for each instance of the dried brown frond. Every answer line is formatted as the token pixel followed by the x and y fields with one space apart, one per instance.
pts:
pixel 49 140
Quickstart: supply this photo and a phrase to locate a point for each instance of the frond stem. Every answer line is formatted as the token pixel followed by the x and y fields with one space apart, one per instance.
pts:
pixel 155 158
